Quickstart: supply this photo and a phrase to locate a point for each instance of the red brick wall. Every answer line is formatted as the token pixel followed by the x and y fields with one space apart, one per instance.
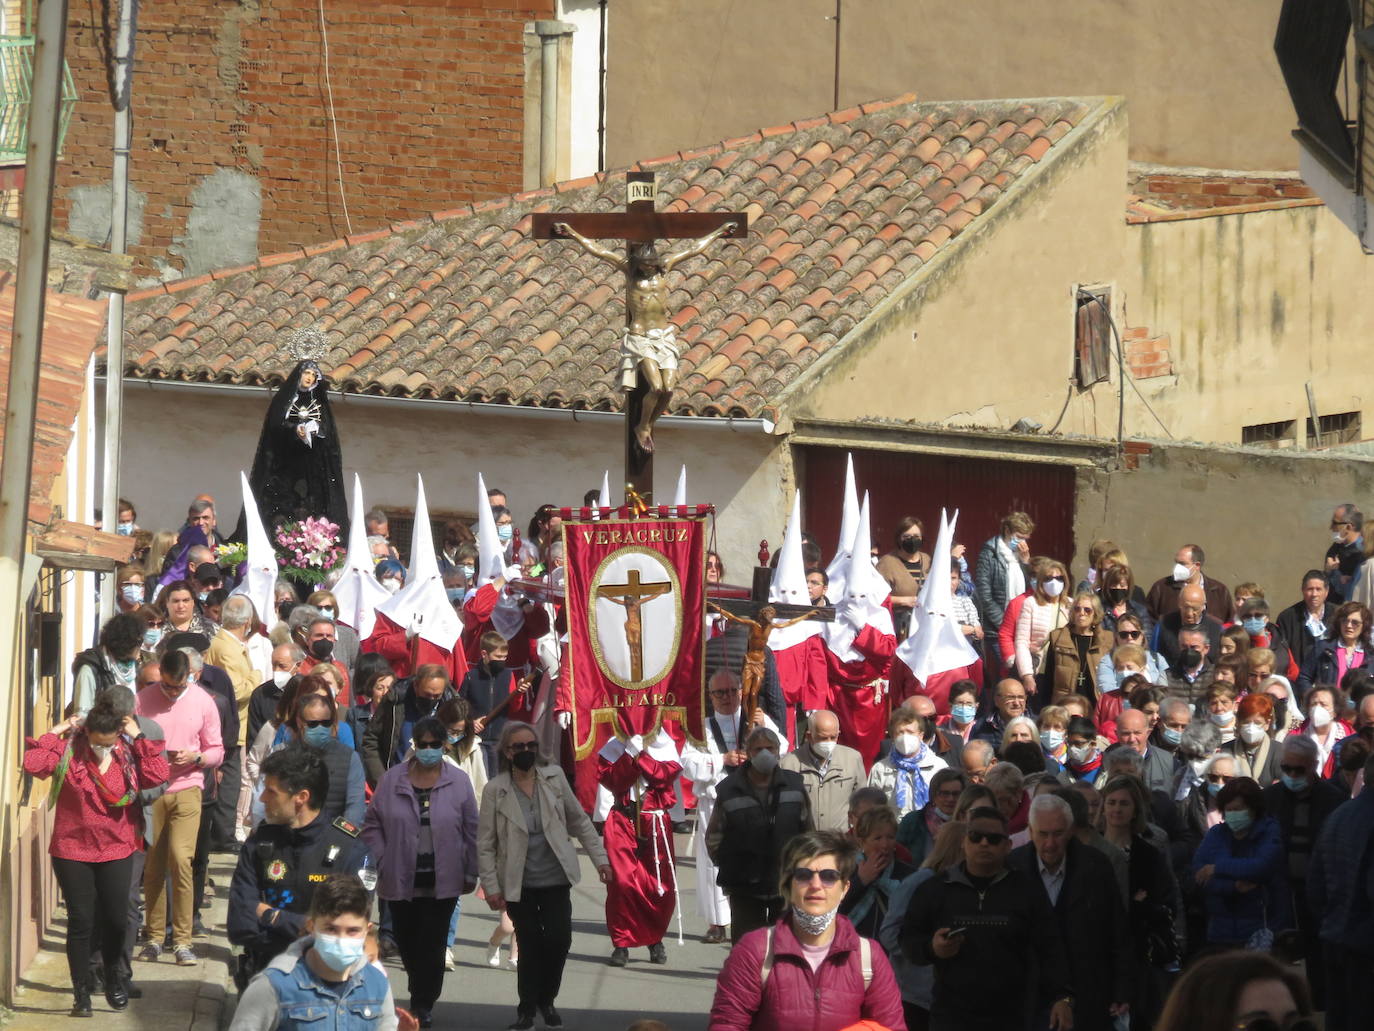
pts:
pixel 1190 192
pixel 429 96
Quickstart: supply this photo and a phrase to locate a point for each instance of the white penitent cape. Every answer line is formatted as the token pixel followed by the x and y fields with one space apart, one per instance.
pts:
pixel 936 643
pixel 422 605
pixel 357 591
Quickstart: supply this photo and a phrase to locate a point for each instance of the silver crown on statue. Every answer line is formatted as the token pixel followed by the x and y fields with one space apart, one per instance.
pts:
pixel 307 345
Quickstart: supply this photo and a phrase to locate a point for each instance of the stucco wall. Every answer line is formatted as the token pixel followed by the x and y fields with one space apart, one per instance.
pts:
pixel 682 75
pixel 986 336
pixel 179 443
pixel 1259 516
pixel 1254 306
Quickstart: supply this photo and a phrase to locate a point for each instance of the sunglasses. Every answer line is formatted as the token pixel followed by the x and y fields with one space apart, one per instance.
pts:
pixel 1130 635
pixel 523 746
pixel 318 723
pixel 804 875
pixel 990 837
pixel 429 744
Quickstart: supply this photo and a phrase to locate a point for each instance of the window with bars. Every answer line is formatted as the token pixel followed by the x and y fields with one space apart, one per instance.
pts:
pixel 401 524
pixel 1281 434
pixel 1341 428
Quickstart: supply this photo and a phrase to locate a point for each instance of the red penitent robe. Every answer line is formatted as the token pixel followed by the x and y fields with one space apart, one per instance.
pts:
pixel 903 684
pixel 859 694
pixel 642 894
pixel 389 640
pixel 477 612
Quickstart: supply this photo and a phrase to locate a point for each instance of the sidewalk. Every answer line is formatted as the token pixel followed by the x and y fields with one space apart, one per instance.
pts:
pixel 174 998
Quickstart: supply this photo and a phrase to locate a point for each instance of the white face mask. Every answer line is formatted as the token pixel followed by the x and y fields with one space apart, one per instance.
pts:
pixel 1337 537
pixel 391 586
pixel 102 752
pixel 825 749
pixel 1223 719
pixel 1181 572
pixel 1081 753
pixel 1251 733
pixel 907 744
pixel 1321 716
pixel 280 677
pixel 1054 588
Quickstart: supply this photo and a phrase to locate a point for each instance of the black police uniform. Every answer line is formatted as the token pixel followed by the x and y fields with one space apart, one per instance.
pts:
pixel 282 866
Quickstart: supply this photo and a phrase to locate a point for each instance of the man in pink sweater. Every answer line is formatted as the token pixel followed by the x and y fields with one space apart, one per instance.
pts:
pixel 190 725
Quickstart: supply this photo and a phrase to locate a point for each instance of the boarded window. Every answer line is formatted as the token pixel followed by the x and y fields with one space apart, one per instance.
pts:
pixel 1341 428
pixel 401 524
pixel 1093 336
pixel 1282 434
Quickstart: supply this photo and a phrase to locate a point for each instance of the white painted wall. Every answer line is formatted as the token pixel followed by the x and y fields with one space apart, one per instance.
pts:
pixel 178 443
pixel 586 91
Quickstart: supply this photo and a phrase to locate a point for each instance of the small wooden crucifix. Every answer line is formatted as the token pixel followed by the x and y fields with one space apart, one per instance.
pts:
pixel 649 347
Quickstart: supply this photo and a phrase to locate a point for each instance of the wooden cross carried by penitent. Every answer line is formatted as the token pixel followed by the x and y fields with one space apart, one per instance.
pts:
pixel 649 347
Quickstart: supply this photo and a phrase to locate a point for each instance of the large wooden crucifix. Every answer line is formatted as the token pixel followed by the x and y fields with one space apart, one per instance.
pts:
pixel 649 347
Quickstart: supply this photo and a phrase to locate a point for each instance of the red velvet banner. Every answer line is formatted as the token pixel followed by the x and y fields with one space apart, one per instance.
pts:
pixel 636 590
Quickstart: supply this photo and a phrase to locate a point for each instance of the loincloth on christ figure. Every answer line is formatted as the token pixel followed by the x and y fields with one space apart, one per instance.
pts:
pixel 656 345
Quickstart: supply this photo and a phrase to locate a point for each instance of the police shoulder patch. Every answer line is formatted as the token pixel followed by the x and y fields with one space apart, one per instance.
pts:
pixel 351 829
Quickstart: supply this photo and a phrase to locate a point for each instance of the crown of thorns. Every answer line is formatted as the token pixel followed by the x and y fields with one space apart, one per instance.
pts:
pixel 307 345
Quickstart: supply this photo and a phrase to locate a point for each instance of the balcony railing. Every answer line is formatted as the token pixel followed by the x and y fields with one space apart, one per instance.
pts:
pixel 16 91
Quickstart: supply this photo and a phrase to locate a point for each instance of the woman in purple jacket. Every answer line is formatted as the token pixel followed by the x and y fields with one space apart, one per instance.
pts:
pixel 421 832
pixel 810 969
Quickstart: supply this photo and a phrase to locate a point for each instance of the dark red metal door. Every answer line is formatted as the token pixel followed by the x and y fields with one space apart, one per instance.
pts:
pixel 900 484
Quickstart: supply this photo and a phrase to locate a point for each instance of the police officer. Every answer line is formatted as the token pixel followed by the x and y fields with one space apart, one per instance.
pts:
pixel 287 856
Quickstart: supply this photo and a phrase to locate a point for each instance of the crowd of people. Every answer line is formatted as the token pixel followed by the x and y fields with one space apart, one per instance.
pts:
pixel 1134 808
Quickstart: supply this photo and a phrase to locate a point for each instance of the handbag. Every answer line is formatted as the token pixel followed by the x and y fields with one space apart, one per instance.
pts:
pixel 1261 940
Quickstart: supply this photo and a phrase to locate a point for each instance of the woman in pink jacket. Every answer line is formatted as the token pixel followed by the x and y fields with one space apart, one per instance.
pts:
pixel 810 971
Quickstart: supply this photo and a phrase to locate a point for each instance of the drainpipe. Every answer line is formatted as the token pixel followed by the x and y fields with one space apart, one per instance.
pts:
pixel 121 85
pixel 551 35
pixel 26 350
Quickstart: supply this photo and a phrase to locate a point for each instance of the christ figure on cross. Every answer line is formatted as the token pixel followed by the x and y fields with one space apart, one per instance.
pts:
pixel 751 676
pixel 649 344
pixel 632 595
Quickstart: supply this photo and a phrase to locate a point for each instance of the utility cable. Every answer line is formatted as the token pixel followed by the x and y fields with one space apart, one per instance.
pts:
pixel 333 119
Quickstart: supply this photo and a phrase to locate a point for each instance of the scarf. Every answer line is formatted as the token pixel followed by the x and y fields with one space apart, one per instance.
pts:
pixel 1089 770
pixel 1016 579
pixel 912 792
pixel 878 893
pixel 122 756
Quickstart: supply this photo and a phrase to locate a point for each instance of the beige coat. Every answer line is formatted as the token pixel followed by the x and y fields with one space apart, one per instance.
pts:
pixel 828 792
pixel 502 837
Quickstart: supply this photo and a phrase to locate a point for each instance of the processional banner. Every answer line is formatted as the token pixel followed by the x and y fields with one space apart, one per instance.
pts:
pixel 635 591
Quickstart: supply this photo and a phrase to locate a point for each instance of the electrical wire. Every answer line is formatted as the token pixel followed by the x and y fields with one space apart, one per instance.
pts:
pixel 333 119
pixel 1125 377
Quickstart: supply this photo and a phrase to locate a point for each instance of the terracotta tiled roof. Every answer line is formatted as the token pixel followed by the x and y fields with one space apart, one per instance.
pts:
pixel 72 329
pixel 464 305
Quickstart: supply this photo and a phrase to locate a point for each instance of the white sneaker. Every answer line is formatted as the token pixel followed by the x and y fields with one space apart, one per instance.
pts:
pixel 449 962
pixel 493 955
pixel 513 962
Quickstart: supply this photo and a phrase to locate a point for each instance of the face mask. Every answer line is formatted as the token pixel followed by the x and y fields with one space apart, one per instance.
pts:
pixel 505 531
pixel 455 594
pixel 825 749
pixel 102 752
pixel 322 649
pixel 1080 754
pixel 468 571
pixel 429 756
pixel 1321 716
pixel 1254 625
pixel 1115 595
pixel 327 613
pixel 813 923
pixel 907 744
pixel 391 586
pixel 524 761
pixel 1223 719
pixel 1170 736
pixel 151 636
pixel 911 545
pixel 317 737
pixel 1190 658
pixel 1181 572
pixel 765 761
pixel 963 714
pixel 1054 588
pixel 280 677
pixel 454 739
pixel 132 593
pixel 1337 537
pixel 1238 820
pixel 495 666
pixel 1050 740
pixel 1213 789
pixel 338 954
pixel 1293 784
pixel 124 529
pixel 1251 733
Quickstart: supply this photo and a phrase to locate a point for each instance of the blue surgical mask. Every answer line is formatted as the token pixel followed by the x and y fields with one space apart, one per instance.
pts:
pixel 468 570
pixel 429 756
pixel 124 529
pixel 1294 784
pixel 1254 625
pixel 326 612
pixel 338 954
pixel 1238 820
pixel 963 714
pixel 151 636
pixel 1213 789
pixel 505 531
pixel 1170 736
pixel 317 737
pixel 1222 719
pixel 1050 740
pixel 132 593
pixel 454 593
pixel 454 739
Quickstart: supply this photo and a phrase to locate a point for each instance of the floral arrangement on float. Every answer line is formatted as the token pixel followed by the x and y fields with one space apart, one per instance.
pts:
pixel 309 550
